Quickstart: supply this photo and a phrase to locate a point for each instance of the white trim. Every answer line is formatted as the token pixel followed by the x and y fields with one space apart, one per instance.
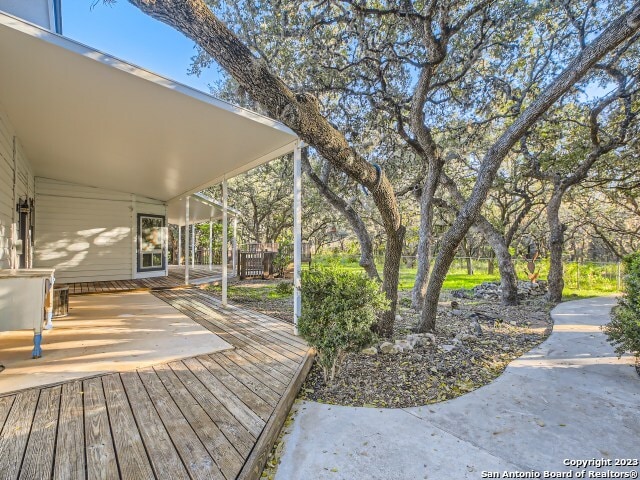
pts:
pixel 225 243
pixel 297 235
pixel 186 242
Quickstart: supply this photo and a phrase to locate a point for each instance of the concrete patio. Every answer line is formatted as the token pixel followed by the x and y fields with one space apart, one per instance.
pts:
pixel 571 398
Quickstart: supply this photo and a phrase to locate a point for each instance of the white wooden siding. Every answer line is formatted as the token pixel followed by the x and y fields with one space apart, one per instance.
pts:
pixel 87 233
pixel 24 186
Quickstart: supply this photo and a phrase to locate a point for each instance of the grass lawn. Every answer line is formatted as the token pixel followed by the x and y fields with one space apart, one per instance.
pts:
pixel 595 281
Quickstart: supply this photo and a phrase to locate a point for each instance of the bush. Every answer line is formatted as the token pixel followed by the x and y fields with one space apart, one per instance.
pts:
pixel 624 329
pixel 284 288
pixel 338 310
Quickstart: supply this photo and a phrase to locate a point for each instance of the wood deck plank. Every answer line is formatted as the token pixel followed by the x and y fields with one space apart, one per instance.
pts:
pixel 252 383
pixel 38 458
pixel 235 336
pixel 247 418
pixel 15 433
pixel 252 365
pixel 248 397
pixel 99 452
pixel 130 451
pixel 194 456
pixel 164 458
pixel 239 436
pixel 221 450
pixel 69 461
pixel 5 408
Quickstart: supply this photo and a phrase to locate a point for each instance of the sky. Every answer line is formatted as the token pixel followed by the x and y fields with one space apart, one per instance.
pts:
pixel 122 31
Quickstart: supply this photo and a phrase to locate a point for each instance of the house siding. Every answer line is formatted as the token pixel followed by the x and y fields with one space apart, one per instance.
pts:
pixel 87 233
pixel 16 181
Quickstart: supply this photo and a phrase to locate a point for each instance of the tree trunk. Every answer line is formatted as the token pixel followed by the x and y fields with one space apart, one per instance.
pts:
pixel 301 113
pixel 508 277
pixel 425 238
pixel 556 246
pixel 391 272
pixel 367 260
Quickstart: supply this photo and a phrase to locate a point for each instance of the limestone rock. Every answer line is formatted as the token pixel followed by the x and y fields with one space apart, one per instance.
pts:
pixel 370 351
pixel 388 347
pixel 403 345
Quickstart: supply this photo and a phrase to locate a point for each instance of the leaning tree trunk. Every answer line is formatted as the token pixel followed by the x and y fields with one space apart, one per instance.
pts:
pixel 556 246
pixel 425 240
pixel 623 27
pixel 301 113
pixel 367 260
pixel 508 277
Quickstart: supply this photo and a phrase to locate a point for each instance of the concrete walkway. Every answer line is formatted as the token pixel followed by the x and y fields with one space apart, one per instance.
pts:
pixel 568 399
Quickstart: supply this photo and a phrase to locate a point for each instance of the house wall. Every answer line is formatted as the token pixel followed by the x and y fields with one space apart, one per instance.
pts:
pixel 39 12
pixel 16 181
pixel 87 233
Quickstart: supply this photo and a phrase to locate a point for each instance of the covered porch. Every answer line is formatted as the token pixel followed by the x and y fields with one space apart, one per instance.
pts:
pixel 211 415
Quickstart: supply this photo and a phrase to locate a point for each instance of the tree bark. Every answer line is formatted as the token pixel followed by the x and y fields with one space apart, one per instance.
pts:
pixel 300 112
pixel 425 233
pixel 556 246
pixel 508 277
pixel 619 30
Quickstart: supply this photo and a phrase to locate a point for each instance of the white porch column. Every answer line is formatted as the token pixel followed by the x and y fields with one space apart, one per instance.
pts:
pixel 186 243
pixel 193 244
pixel 225 246
pixel 297 234
pixel 210 245
pixel 234 247
pixel 179 245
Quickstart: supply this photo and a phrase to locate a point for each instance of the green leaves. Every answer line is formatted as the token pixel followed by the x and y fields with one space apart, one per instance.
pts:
pixel 624 330
pixel 338 310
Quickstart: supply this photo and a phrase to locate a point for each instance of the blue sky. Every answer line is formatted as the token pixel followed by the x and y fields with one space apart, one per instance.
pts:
pixel 123 31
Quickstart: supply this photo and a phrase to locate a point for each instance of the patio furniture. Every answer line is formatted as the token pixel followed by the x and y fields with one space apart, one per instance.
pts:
pixel 26 301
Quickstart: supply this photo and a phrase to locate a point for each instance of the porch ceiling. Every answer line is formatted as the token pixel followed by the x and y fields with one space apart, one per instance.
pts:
pixel 201 209
pixel 85 117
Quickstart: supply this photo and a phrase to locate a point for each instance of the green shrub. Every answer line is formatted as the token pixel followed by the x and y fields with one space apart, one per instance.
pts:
pixel 284 288
pixel 624 330
pixel 338 310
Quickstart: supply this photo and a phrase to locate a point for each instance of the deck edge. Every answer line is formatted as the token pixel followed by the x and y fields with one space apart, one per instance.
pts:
pixel 257 459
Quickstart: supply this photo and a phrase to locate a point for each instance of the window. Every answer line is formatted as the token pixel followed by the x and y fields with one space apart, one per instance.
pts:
pixel 150 242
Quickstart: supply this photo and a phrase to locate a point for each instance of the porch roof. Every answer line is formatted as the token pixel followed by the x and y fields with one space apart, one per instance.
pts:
pixel 85 117
pixel 201 209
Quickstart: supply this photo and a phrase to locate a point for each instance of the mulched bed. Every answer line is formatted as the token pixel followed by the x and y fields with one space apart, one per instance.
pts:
pixel 428 373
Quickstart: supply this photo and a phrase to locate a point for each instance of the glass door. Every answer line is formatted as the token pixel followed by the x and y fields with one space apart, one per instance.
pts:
pixel 150 242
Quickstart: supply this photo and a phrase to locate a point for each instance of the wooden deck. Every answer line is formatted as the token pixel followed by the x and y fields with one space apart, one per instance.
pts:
pixel 210 417
pixel 200 275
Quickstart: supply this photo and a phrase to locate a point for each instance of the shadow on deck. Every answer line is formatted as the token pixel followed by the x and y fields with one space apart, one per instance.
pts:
pixel 210 416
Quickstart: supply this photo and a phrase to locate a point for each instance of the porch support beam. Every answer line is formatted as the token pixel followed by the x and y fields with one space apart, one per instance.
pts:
pixel 186 242
pixel 179 245
pixel 234 246
pixel 193 244
pixel 297 234
pixel 225 246
pixel 210 245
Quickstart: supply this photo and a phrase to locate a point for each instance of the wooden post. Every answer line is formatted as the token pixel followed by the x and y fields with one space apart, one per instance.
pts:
pixel 297 234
